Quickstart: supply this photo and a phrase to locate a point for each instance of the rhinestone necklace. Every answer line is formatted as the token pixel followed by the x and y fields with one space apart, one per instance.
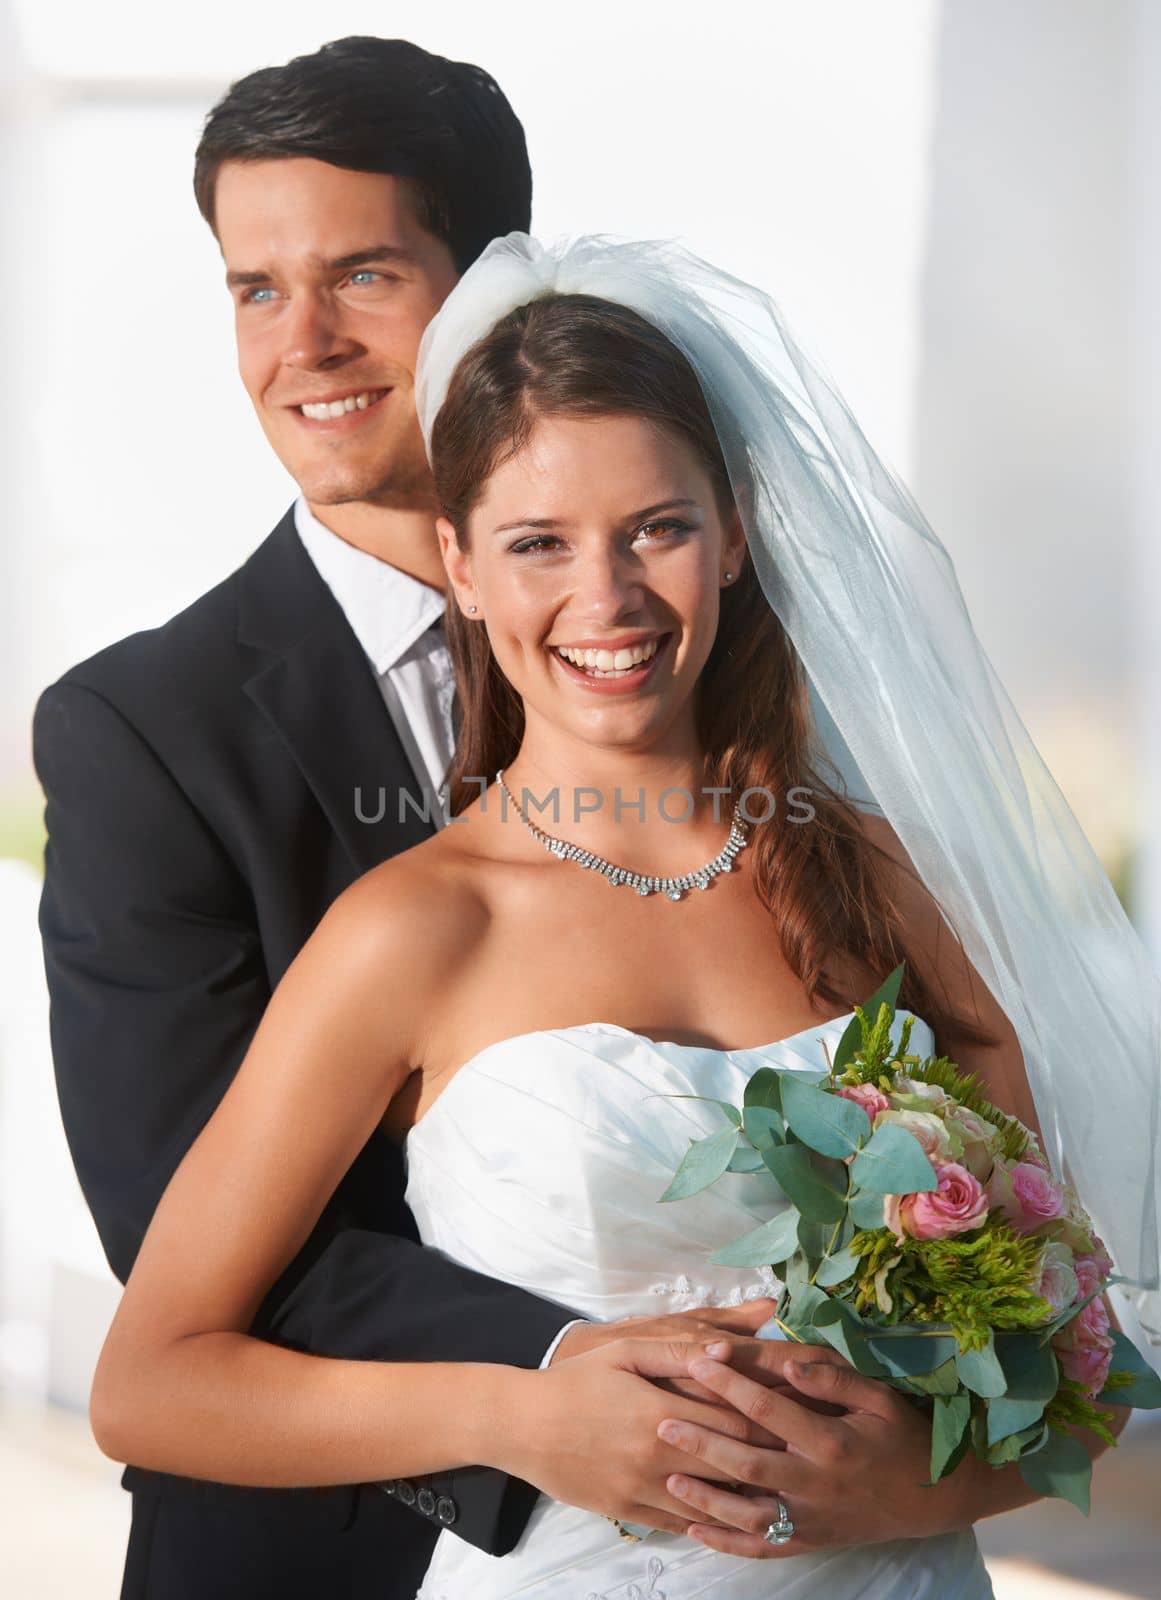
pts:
pixel 672 888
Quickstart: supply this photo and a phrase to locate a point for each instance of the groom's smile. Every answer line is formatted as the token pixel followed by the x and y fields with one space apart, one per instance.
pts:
pixel 334 279
pixel 329 411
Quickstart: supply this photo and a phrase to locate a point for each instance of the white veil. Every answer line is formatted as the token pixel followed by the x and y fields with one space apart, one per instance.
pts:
pixel 912 711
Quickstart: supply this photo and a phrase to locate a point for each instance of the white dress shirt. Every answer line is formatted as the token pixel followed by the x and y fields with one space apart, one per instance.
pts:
pixel 398 620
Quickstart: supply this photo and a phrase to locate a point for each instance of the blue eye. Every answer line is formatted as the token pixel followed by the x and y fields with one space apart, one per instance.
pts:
pixel 364 273
pixel 251 296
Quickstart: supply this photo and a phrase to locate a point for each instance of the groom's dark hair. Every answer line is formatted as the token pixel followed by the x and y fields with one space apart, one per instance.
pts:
pixel 384 105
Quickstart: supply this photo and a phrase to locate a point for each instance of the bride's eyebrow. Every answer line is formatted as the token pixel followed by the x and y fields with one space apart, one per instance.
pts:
pixel 633 516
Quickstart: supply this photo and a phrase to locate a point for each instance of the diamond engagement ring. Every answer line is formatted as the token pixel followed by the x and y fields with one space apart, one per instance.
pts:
pixel 782 1531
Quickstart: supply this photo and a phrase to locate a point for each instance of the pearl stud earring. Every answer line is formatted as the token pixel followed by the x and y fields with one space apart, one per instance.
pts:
pixel 472 609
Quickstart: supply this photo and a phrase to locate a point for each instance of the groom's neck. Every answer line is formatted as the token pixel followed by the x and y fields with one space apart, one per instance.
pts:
pixel 402 535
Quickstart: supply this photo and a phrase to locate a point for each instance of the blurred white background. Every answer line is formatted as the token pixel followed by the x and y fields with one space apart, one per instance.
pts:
pixel 957 205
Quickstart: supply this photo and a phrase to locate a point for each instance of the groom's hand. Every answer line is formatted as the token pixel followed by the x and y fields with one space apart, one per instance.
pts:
pixel 857 1476
pixel 761 1358
pixel 701 1325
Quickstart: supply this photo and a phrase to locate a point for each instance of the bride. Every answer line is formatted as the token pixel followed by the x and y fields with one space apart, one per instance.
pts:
pixel 694 616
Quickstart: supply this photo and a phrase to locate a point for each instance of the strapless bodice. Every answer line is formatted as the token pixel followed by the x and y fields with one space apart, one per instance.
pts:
pixel 542 1163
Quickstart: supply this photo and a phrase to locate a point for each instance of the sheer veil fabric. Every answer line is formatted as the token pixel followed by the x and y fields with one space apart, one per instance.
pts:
pixel 910 709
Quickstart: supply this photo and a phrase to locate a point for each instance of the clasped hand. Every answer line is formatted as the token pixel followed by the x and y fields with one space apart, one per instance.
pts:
pixel 698 1427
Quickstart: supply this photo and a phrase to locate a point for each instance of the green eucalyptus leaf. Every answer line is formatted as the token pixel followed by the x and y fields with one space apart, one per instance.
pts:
pixel 1062 1468
pixel 826 1122
pixel 763 1126
pixel 865 1209
pixel 944 1379
pixel 1014 1445
pixel 764 1089
pixel 887 994
pixel 730 1110
pixel 1145 1389
pixel 851 1041
pixel 796 1273
pixel 766 1246
pixel 702 1164
pixel 1007 1417
pixel 949 1426
pixel 846 1332
pixel 835 1269
pixel 908 1355
pixel 814 1238
pixel 892 1162
pixel 797 1177
pixel 809 1304
pixel 1030 1367
pixel 980 1370
pixel 745 1159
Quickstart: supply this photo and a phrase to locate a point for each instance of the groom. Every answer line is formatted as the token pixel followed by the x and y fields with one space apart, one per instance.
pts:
pixel 212 785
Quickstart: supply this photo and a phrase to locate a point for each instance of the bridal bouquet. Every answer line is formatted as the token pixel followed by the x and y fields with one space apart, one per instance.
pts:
pixel 927 1241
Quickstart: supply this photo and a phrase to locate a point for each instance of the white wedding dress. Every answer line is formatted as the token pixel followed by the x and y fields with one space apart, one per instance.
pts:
pixel 541 1164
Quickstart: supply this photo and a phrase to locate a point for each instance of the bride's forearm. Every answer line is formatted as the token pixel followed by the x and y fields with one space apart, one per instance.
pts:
pixel 233 1409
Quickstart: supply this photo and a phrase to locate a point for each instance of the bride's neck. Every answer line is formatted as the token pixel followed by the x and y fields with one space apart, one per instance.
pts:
pixel 612 801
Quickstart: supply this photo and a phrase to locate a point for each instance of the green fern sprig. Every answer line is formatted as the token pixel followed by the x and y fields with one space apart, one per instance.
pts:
pixel 972 1283
pixel 967 1089
pixel 1071 1407
pixel 876 1059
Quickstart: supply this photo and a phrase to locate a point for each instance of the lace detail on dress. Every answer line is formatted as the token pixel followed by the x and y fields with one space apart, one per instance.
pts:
pixel 701 1294
pixel 634 1591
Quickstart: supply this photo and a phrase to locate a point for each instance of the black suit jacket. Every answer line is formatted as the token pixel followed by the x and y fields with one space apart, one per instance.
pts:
pixel 200 783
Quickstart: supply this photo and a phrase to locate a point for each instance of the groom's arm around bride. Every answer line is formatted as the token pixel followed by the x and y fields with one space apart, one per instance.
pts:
pixel 200 785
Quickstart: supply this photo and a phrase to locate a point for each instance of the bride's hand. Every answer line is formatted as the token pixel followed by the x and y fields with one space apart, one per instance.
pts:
pixel 585 1430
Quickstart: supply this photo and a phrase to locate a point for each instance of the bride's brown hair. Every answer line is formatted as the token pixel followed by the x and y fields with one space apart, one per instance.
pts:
pixel 825 883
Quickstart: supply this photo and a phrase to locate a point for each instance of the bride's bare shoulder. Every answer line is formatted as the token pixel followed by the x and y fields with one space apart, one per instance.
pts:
pixel 426 904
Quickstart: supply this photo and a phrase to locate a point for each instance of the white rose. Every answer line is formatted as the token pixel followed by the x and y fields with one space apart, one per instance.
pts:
pixel 930 1131
pixel 980 1140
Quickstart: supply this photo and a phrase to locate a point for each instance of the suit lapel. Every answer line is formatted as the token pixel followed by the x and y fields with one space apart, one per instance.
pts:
pixel 317 689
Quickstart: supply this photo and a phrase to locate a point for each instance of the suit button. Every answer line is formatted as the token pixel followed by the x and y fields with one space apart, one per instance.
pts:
pixel 445 1510
pixel 426 1502
pixel 388 1486
pixel 405 1491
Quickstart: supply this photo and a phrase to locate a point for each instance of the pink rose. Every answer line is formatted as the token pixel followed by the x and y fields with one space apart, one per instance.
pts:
pixel 1035 1157
pixel 1058 1283
pixel 1091 1273
pixel 1098 1259
pixel 868 1095
pixel 956 1206
pixel 1085 1347
pixel 1026 1194
pixel 1089 1368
